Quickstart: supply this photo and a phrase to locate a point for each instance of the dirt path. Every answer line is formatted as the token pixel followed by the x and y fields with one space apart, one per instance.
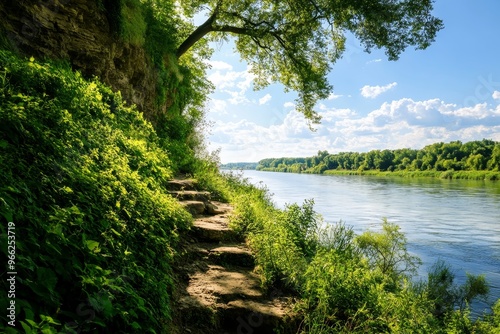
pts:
pixel 218 291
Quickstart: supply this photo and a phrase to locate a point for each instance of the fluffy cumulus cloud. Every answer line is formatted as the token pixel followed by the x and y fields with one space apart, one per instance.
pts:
pixel 374 91
pixel 233 83
pixel 247 141
pixel 266 98
pixel 496 95
pixel 396 124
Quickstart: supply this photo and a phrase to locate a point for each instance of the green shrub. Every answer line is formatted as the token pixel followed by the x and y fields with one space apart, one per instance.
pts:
pixel 83 178
pixel 386 251
pixel 350 289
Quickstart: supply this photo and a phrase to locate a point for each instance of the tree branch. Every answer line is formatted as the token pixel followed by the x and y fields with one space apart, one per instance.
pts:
pixel 198 34
pixel 235 30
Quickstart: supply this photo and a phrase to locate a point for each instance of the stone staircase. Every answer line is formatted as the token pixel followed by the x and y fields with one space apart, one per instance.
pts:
pixel 218 291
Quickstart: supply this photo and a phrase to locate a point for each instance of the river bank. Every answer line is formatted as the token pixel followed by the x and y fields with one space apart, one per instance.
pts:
pixel 449 174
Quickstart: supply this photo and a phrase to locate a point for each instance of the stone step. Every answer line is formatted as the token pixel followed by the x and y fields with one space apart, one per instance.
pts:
pixel 236 298
pixel 178 185
pixel 196 208
pixel 235 255
pixel 213 229
pixel 201 207
pixel 220 208
pixel 232 254
pixel 191 195
pixel 224 283
pixel 248 316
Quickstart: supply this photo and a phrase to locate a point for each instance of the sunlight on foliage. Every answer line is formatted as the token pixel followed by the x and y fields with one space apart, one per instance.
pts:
pixel 83 177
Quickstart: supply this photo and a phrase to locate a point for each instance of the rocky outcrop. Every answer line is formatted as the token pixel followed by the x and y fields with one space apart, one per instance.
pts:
pixel 79 31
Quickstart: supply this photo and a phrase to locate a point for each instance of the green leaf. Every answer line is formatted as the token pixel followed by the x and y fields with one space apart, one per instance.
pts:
pixel 49 319
pixel 93 246
pixel 8 216
pixel 116 232
pixel 48 330
pixel 57 230
pixel 29 313
pixel 26 327
pixel 101 303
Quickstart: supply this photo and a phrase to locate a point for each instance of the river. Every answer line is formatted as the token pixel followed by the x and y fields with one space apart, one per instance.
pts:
pixel 457 221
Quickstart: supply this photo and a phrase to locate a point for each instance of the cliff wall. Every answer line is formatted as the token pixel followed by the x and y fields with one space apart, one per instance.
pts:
pixel 80 32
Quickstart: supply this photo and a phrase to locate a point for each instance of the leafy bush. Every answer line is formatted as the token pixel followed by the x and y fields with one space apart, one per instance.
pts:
pixel 491 322
pixel 83 178
pixel 337 293
pixel 386 251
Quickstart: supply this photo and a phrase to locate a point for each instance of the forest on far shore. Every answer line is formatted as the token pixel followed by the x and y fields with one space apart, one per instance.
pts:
pixel 480 155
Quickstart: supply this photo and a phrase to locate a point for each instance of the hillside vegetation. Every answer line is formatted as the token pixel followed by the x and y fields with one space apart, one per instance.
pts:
pixel 83 179
pixel 471 160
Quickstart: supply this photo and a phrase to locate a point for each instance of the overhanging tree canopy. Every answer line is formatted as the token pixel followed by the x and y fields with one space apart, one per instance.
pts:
pixel 295 42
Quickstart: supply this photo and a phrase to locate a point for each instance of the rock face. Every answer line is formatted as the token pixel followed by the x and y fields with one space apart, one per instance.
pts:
pixel 79 31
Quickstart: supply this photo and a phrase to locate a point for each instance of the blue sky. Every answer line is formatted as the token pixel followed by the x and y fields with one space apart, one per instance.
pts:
pixel 450 91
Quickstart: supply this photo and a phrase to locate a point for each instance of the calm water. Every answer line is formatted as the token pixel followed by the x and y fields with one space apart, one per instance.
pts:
pixel 457 221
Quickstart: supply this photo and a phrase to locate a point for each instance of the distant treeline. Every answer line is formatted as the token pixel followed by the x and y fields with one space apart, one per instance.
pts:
pixel 239 165
pixel 476 156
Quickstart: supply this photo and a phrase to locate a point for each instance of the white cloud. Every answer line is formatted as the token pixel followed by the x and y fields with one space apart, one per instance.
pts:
pixel 237 97
pixel 328 115
pixel 247 141
pixel 374 91
pixel 479 111
pixel 374 61
pixel 234 83
pixel 265 99
pixel 218 106
pixel 496 95
pixel 289 105
pixel 333 96
pixel 219 65
pixel 230 79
